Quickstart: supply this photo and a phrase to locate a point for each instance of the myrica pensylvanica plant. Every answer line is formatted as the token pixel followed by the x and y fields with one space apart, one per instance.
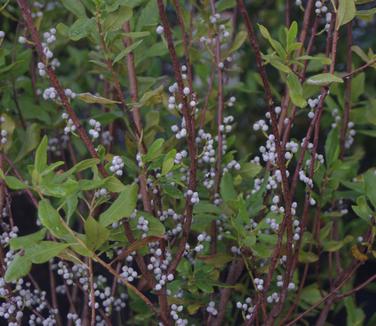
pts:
pixel 187 162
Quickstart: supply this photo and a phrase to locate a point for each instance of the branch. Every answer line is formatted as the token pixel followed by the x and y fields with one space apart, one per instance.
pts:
pixel 360 69
pixel 132 77
pixel 190 138
pixel 280 157
pixel 349 272
pixel 26 14
pixel 185 39
pixel 220 109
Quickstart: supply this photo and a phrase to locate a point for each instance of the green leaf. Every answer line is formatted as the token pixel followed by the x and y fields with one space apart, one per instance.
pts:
pixel 70 207
pixel 154 150
pixel 324 79
pixel 357 86
pixel 205 207
pixel 152 97
pixel 95 99
pixel 13 183
pixel 115 20
pixel 113 184
pixel 8 125
pixel 280 66
pixel 52 167
pixel 168 162
pixel 123 206
pixel 249 241
pixel 325 231
pixel 277 46
pixel 80 246
pixel 149 15
pixel 249 169
pixel 126 51
pixel 27 240
pixel 362 209
pixel 96 234
pixel 83 165
pixel 311 294
pixel 346 12
pixel 227 187
pixel 307 257
pixel 333 245
pixel 172 191
pixel 156 228
pixel 218 260
pixel 291 35
pixel 366 14
pixel 62 30
pixel 81 28
pixel 332 147
pixel 322 59
pixel 44 251
pixel 31 140
pixel 50 218
pixel 370 186
pixel 261 250
pixel 225 4
pixel 359 51
pixel 296 91
pixel 136 34
pixel 19 267
pixel 41 155
pixel 75 7
pixel 370 133
pixel 238 42
pixel 80 166
pixel 355 315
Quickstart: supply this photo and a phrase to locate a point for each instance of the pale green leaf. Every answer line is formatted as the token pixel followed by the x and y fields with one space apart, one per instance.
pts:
pixel 324 79
pixel 95 99
pixel 50 218
pixel 126 51
pixel 154 150
pixel 81 28
pixel 43 251
pixel 31 140
pixel 296 91
pixel 19 267
pixel 96 234
pixel 115 20
pixel 122 207
pixel 75 7
pixel 227 187
pixel 41 156
pixel 168 162
pixel 346 12
pixel 26 241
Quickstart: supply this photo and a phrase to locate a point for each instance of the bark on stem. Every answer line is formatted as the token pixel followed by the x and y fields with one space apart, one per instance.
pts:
pixel 348 81
pixel 280 157
pixel 220 109
pixel 189 119
pixel 26 14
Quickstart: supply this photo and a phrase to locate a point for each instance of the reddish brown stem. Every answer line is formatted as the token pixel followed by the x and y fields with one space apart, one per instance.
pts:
pixel 286 223
pixel 190 138
pixel 220 109
pixel 348 81
pixel 360 69
pixel 26 14
pixel 185 39
pixel 132 77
